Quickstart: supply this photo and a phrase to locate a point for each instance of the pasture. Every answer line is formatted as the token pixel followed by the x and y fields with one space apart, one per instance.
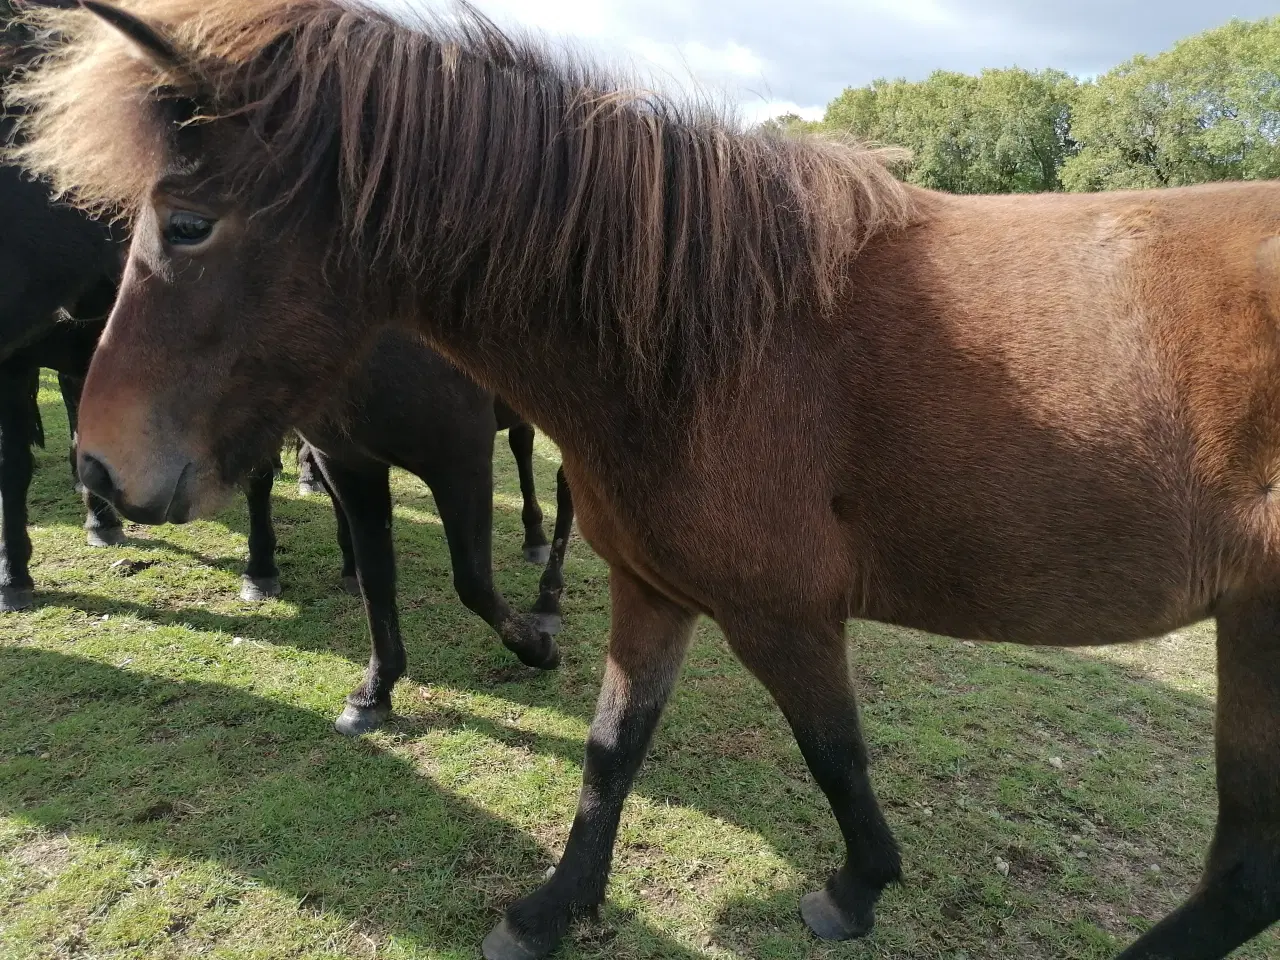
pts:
pixel 171 787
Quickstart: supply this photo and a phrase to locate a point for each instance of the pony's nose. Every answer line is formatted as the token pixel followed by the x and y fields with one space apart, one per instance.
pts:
pixel 95 475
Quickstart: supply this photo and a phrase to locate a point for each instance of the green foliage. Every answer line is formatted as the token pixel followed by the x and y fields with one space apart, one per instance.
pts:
pixel 1209 109
pixel 790 124
pixel 1003 131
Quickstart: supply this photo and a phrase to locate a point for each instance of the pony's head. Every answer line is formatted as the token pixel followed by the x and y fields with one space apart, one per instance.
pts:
pixel 230 322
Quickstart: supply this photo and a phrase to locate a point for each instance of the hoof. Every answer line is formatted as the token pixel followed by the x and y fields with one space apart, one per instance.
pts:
pixel 257 589
pixel 503 944
pixel 355 721
pixel 105 537
pixel 13 599
pixel 351 585
pixel 829 922
pixel 548 623
pixel 309 488
pixel 539 555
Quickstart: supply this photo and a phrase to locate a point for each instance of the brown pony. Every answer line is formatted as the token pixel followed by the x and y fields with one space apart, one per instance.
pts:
pixel 1050 419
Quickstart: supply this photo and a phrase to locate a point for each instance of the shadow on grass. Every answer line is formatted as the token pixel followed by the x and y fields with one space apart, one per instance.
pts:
pixel 274 795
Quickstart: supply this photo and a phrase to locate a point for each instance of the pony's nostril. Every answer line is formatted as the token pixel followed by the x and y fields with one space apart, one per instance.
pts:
pixel 96 477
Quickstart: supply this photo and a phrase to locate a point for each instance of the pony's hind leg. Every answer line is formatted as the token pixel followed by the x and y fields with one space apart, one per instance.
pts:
pixel 547 610
pixel 806 670
pixel 363 493
pixel 310 482
pixel 1239 893
pixel 464 497
pixel 536 548
pixel 648 639
pixel 261 579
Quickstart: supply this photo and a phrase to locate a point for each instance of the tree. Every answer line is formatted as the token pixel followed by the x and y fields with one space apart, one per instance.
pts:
pixel 1208 109
pixel 790 124
pixel 1003 131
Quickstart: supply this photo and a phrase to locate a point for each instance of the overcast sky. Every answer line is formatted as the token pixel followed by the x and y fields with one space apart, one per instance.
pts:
pixel 773 55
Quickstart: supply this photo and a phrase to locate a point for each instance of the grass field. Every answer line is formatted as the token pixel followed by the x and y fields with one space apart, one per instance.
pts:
pixel 170 785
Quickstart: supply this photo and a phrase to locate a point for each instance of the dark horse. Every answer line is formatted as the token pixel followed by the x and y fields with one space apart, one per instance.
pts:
pixel 54 261
pixel 410 408
pixel 788 389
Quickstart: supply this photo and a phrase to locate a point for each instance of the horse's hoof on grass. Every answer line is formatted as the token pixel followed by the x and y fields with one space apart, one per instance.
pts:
pixel 356 721
pixel 539 555
pixel 257 589
pixel 351 585
pixel 105 537
pixel 825 918
pixel 548 623
pixel 13 599
pixel 503 944
pixel 309 488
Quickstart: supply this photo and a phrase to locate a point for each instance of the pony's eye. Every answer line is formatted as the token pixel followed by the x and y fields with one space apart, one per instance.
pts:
pixel 187 229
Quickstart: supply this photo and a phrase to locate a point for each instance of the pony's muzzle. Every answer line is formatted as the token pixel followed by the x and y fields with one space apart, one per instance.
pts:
pixel 167 501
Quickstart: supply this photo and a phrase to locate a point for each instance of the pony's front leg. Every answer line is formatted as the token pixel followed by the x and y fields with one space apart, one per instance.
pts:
pixel 261 579
pixel 648 640
pixel 1239 893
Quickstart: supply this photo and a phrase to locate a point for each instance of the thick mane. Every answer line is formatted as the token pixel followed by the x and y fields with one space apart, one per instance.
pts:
pixel 474 164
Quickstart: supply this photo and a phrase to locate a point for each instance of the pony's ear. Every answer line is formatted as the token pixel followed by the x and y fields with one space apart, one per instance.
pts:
pixel 148 41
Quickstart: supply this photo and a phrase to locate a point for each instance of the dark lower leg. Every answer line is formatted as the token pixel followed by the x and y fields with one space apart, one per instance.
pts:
pixel 648 640
pixel 309 479
pixel 350 582
pixel 551 586
pixel 1239 893
pixel 16 464
pixel 806 671
pixel 536 549
pixel 465 501
pixel 261 579
pixel 102 524
pixel 363 494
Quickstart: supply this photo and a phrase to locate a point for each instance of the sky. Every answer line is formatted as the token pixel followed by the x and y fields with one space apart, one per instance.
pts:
pixel 772 56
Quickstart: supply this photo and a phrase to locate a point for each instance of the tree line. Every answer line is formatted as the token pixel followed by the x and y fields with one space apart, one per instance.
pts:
pixel 1208 109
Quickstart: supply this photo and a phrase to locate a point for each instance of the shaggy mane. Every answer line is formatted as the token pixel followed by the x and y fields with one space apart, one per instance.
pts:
pixel 476 166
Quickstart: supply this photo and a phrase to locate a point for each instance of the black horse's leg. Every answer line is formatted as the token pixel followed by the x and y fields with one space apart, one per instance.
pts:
pixel 363 493
pixel 71 387
pixel 1239 892
pixel 465 500
pixel 350 582
pixel 17 434
pixel 551 586
pixel 648 639
pixel 536 548
pixel 261 579
pixel 805 668
pixel 310 481
pixel 101 523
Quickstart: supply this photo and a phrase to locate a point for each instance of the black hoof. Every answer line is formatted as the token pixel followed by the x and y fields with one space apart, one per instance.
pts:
pixel 257 589
pixel 532 646
pixel 309 488
pixel 351 585
pixel 13 599
pixel 105 537
pixel 548 623
pixel 503 944
pixel 355 721
pixel 825 918
pixel 539 555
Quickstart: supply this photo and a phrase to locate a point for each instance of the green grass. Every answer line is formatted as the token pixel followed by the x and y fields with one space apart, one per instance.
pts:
pixel 170 785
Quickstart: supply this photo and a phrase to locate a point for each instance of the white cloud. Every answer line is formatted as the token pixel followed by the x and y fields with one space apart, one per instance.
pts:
pixel 762 54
